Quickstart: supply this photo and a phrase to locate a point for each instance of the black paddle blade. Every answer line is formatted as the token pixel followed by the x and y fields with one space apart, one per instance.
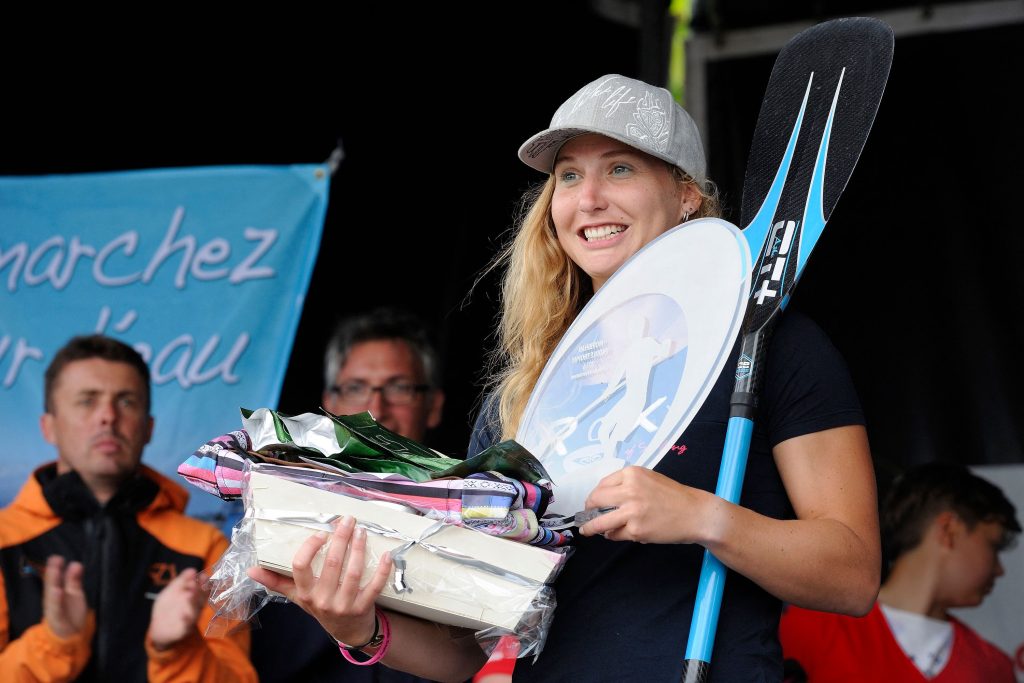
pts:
pixel 821 100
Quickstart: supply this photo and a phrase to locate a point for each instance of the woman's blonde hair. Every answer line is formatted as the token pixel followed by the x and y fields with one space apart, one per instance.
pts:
pixel 542 292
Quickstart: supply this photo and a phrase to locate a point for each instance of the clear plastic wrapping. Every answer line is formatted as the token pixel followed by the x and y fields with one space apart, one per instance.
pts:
pixel 443 572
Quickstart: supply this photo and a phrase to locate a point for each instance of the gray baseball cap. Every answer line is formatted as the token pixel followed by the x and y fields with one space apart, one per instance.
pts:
pixel 624 109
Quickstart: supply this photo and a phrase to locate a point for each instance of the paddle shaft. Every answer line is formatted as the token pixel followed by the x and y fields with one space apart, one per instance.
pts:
pixel 711 586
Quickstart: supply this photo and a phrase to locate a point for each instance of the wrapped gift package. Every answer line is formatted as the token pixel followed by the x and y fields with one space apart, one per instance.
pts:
pixel 443 573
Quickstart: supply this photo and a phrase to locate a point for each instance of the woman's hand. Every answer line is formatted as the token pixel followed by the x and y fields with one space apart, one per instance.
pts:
pixel 651 508
pixel 828 558
pixel 335 600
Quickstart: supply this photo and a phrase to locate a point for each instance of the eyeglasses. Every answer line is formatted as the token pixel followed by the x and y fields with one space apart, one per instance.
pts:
pixel 396 393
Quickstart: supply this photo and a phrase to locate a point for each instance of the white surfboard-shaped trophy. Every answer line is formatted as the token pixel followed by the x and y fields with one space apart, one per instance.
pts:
pixel 639 360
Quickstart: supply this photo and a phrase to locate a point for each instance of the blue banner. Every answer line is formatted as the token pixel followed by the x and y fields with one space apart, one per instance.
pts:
pixel 204 271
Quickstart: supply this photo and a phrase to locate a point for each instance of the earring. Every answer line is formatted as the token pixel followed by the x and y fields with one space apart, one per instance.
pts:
pixel 686 216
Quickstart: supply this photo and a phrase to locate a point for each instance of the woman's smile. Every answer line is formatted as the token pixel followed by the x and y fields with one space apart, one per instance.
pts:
pixel 610 200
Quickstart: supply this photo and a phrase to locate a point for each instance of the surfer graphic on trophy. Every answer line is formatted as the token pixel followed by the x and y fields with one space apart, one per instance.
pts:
pixel 631 410
pixel 614 390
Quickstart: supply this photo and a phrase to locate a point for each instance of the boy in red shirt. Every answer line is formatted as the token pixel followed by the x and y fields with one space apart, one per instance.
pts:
pixel 943 529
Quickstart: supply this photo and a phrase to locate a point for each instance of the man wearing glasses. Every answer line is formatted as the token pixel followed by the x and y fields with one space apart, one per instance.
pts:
pixel 384 362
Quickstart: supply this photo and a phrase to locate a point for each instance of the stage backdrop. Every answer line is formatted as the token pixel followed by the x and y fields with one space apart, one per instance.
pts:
pixel 202 270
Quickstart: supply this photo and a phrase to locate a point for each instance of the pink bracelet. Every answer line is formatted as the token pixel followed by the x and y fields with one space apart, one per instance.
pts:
pixel 382 628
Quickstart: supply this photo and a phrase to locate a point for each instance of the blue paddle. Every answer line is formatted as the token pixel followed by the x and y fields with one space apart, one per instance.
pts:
pixel 818 108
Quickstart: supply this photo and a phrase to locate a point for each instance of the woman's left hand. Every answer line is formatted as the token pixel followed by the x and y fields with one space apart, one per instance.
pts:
pixel 828 558
pixel 651 508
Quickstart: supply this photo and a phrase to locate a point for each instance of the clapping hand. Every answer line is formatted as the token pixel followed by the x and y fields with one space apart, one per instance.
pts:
pixel 64 606
pixel 176 610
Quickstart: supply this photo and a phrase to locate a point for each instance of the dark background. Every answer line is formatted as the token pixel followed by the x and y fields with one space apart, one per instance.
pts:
pixel 917 280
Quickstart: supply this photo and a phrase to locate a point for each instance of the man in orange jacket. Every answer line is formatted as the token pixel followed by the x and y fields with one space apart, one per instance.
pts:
pixel 97 560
